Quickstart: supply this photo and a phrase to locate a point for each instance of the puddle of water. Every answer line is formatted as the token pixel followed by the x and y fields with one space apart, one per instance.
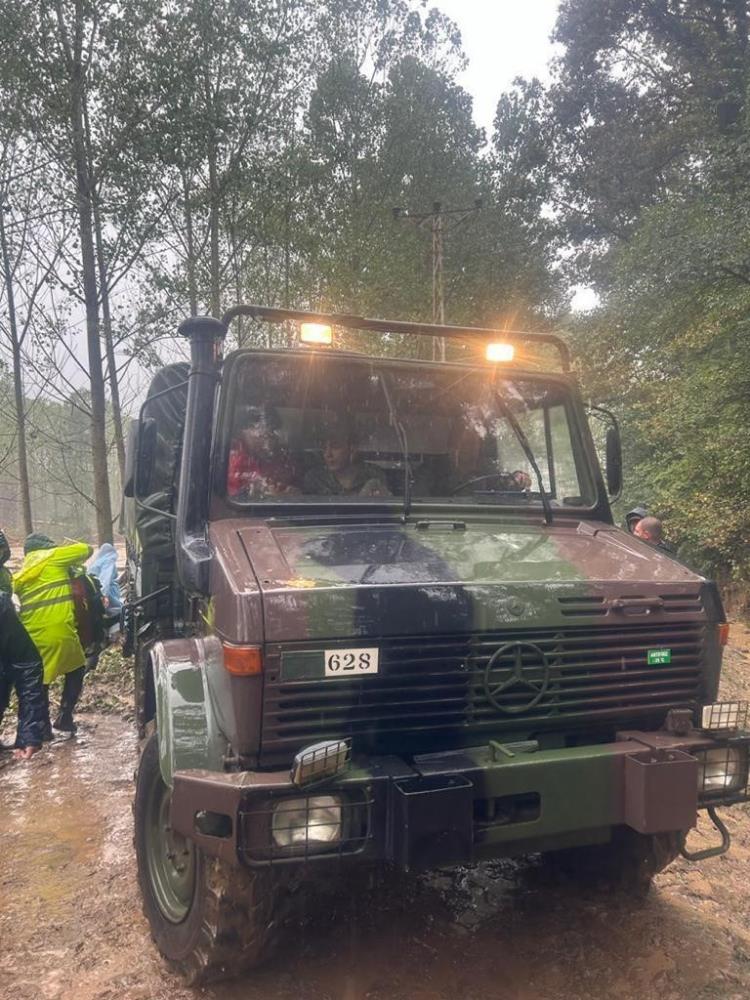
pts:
pixel 58 816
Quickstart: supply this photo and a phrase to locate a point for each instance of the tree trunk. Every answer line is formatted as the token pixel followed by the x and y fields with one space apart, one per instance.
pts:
pixel 20 403
pixel 114 387
pixel 90 293
pixel 192 283
pixel 213 222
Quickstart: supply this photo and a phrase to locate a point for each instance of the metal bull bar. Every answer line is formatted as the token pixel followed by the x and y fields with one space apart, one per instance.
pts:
pixel 457 806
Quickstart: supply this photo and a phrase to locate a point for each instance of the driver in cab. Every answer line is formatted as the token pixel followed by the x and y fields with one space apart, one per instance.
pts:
pixel 473 470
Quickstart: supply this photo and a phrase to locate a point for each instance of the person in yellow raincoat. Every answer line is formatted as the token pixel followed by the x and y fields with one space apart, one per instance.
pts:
pixel 48 613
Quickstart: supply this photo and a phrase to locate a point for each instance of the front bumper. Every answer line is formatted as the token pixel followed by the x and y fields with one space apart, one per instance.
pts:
pixel 455 807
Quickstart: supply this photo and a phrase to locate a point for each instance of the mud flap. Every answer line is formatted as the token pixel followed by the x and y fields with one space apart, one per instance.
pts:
pixel 432 821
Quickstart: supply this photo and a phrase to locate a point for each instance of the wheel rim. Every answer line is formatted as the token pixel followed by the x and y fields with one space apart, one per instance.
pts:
pixel 170 857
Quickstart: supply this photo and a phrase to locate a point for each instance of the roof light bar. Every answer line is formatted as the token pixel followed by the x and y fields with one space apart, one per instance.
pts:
pixel 461 333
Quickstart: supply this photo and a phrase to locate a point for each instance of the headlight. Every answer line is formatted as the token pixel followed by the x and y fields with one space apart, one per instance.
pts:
pixel 721 770
pixel 313 820
pixel 724 715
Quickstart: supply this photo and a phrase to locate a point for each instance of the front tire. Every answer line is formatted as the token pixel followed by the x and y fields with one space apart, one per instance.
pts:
pixel 627 863
pixel 209 919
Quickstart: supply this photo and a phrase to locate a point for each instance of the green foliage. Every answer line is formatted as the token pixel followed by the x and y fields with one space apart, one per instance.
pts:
pixel 655 190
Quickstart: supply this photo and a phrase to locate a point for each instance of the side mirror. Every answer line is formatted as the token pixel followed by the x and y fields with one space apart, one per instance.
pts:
pixel 614 462
pixel 145 454
pixel 612 450
pixel 128 485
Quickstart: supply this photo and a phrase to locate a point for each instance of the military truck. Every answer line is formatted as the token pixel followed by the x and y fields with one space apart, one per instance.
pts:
pixel 381 615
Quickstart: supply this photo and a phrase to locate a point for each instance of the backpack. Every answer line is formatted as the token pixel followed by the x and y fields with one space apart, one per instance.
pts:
pixel 89 610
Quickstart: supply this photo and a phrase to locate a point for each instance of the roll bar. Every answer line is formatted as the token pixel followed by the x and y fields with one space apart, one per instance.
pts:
pixel 392 326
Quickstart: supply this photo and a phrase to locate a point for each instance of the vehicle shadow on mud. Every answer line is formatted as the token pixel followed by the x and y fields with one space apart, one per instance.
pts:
pixel 517 929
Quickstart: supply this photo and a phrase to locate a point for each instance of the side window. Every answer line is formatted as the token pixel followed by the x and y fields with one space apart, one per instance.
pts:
pixel 563 461
pixel 511 454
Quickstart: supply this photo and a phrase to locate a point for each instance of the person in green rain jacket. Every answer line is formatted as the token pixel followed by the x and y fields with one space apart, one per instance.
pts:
pixel 48 613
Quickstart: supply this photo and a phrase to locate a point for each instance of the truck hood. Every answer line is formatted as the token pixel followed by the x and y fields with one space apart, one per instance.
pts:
pixel 370 580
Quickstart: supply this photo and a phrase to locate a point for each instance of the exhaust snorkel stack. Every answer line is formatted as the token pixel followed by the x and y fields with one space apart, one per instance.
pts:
pixel 193 552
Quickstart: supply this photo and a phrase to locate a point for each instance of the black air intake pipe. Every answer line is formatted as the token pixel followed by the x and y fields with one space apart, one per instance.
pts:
pixel 193 553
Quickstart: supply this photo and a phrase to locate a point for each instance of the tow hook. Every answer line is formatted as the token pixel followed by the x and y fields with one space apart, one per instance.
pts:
pixel 709 852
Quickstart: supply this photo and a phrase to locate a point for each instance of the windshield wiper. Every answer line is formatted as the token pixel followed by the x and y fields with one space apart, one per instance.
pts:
pixel 401 433
pixel 526 447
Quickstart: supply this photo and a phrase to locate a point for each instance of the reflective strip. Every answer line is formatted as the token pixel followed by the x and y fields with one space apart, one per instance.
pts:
pixel 45 586
pixel 62 599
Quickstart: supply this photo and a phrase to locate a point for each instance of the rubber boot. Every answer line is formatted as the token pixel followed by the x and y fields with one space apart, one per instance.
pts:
pixel 72 687
pixel 47 734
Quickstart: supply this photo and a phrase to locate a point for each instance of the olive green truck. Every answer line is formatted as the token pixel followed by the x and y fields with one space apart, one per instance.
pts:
pixel 381 615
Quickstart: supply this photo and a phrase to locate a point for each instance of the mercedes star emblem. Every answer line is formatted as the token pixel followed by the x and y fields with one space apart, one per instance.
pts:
pixel 515 667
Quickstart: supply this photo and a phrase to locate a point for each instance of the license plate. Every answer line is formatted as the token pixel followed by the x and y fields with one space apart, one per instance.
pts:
pixel 350 662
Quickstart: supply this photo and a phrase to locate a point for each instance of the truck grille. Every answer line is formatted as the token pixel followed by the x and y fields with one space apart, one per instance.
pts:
pixel 439 690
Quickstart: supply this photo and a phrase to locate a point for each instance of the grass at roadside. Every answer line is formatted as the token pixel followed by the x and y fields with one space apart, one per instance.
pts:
pixel 109 687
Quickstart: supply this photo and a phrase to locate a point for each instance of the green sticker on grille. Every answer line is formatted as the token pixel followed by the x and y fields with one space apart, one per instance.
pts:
pixel 659 656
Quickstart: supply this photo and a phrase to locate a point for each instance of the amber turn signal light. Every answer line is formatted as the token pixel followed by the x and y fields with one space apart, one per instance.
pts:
pixel 243 661
pixel 723 633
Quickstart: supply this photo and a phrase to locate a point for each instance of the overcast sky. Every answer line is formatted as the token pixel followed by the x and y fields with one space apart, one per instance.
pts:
pixel 503 39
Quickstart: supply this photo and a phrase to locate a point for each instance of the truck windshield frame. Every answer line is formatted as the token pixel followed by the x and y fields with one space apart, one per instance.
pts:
pixel 271 455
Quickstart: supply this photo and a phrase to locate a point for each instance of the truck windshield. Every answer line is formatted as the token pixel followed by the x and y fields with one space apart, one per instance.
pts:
pixel 314 428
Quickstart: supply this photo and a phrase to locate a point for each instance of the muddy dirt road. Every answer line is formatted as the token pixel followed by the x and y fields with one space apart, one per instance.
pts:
pixel 71 926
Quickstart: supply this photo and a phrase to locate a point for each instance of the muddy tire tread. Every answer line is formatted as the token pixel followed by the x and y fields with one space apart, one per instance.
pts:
pixel 628 863
pixel 240 926
pixel 235 920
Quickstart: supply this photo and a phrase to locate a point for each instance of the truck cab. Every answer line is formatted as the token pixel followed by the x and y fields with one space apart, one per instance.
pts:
pixel 381 614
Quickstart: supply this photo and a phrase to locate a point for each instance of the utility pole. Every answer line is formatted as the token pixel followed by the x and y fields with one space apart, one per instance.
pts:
pixel 436 219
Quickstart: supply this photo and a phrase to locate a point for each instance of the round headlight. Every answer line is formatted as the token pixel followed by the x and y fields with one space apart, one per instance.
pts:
pixel 313 820
pixel 721 770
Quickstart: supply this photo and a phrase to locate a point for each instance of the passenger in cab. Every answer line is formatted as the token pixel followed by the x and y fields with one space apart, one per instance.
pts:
pixel 259 464
pixel 343 473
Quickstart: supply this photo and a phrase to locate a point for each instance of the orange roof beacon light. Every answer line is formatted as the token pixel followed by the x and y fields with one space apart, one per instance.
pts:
pixel 498 353
pixel 316 333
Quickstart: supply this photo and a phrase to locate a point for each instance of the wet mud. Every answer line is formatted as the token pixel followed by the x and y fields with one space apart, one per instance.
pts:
pixel 71 925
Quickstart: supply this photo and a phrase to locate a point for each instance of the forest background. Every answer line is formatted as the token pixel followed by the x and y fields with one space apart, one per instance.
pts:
pixel 160 159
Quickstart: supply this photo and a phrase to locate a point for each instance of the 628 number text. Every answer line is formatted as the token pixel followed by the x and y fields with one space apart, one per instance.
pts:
pixel 350 662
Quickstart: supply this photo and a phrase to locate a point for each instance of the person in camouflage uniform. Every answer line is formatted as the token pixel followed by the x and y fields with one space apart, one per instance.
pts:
pixel 343 473
pixel 6 580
